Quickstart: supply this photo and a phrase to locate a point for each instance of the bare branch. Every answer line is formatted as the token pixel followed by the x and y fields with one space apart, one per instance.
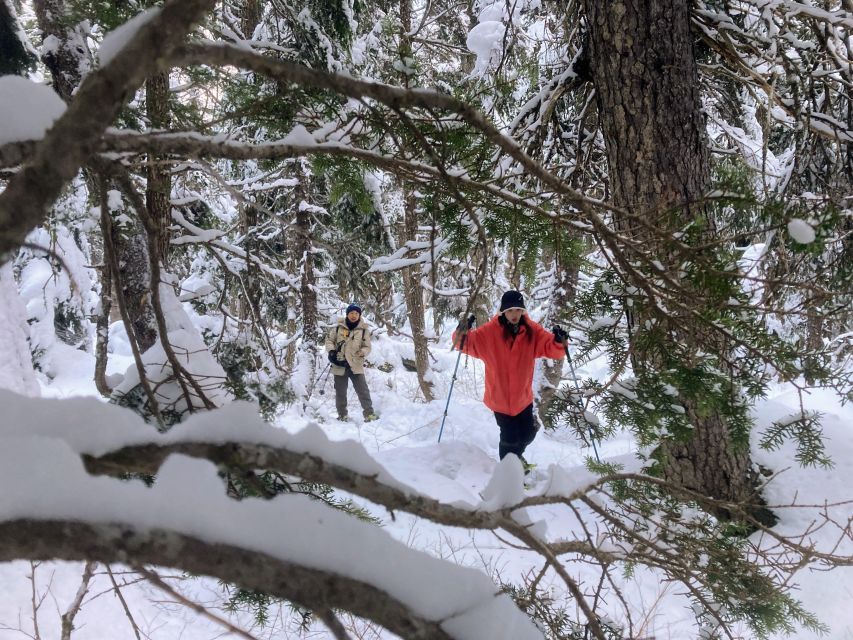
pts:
pixel 124 606
pixel 161 584
pixel 74 607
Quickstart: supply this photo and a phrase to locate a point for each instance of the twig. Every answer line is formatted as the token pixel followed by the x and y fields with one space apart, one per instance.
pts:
pixel 158 582
pixel 74 607
pixel 334 624
pixel 123 602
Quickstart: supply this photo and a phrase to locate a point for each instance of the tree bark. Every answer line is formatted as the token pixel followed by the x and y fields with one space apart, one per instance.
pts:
pixel 134 278
pixel 646 82
pixel 413 293
pixel 158 188
pixel 412 290
pixel 566 279
pixel 308 279
pixel 102 322
pixel 248 308
pixel 70 57
pixel 250 16
pixel 15 55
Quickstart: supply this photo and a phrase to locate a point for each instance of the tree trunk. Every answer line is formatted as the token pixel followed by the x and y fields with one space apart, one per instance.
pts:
pixel 70 56
pixel 134 280
pixel 16 57
pixel 102 321
pixel 308 281
pixel 412 290
pixel 158 190
pixel 566 280
pixel 646 82
pixel 413 294
pixel 247 307
pixel 250 16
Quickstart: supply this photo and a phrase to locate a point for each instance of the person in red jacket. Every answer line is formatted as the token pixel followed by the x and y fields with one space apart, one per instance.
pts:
pixel 508 345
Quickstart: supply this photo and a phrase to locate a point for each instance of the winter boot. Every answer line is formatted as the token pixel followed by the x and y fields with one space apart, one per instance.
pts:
pixel 370 417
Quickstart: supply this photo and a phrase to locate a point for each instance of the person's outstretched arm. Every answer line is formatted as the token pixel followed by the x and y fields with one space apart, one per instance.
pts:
pixel 549 344
pixel 473 337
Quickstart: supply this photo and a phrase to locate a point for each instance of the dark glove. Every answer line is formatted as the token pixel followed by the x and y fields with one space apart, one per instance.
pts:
pixel 463 326
pixel 333 357
pixel 560 334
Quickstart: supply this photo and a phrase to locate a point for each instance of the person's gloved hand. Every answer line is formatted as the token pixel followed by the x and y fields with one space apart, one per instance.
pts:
pixel 333 357
pixel 560 335
pixel 464 325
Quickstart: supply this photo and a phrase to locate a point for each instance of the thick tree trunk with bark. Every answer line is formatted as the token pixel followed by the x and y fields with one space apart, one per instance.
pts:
pixel 308 279
pixel 412 290
pixel 250 16
pixel 249 294
pixel 413 293
pixel 159 181
pixel 69 57
pixel 134 280
pixel 646 82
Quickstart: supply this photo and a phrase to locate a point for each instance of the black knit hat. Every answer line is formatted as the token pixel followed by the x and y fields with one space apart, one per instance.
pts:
pixel 512 300
pixel 354 307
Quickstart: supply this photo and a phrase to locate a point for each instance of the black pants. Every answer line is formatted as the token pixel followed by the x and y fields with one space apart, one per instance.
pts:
pixel 517 431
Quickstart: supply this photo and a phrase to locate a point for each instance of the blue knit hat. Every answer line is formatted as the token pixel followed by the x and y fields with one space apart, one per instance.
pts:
pixel 354 307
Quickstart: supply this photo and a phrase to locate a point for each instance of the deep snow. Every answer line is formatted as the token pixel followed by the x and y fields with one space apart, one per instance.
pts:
pixel 457 471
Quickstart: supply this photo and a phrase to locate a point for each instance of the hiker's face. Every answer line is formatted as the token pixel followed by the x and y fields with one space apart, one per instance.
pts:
pixel 513 316
pixel 353 316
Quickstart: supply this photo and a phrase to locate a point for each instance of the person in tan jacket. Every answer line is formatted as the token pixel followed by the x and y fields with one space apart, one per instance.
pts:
pixel 348 344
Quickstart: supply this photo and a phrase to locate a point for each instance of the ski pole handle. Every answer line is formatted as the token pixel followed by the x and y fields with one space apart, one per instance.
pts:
pixel 471 321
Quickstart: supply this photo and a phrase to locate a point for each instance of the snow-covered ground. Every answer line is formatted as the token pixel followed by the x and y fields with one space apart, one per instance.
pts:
pixel 458 469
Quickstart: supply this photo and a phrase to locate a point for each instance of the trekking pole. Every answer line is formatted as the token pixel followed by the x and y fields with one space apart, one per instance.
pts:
pixel 326 371
pixel 580 406
pixel 471 321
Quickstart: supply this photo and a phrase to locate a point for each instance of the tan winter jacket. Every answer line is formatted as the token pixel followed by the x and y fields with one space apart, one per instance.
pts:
pixel 354 344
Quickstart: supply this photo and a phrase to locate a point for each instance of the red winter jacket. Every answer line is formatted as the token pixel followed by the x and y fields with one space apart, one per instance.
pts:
pixel 509 365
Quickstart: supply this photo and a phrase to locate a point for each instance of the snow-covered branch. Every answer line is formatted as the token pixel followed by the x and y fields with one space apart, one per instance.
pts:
pixel 76 134
pixel 114 542
pixel 293 547
pixel 396 98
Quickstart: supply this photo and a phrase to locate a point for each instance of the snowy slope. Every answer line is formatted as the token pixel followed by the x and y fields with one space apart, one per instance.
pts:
pixel 457 470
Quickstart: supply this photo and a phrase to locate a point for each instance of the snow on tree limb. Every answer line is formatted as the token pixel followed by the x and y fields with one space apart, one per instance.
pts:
pixel 292 547
pixel 119 543
pixel 391 96
pixel 75 135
